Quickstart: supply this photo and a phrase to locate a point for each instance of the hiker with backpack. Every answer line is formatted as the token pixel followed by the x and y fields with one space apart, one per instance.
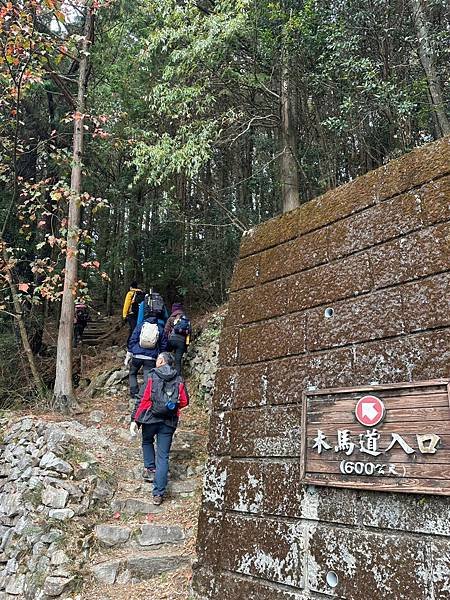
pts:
pixel 153 305
pixel 144 345
pixel 178 332
pixel 80 320
pixel 157 413
pixel 131 304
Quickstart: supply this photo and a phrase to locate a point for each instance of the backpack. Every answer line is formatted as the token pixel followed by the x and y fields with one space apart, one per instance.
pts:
pixel 149 335
pixel 138 297
pixel 154 305
pixel 165 404
pixel 182 326
pixel 81 314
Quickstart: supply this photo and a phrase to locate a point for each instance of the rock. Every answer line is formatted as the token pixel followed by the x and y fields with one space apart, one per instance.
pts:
pixel 116 377
pixel 57 440
pixel 55 498
pixel 112 535
pixel 96 416
pixel 61 514
pixel 52 536
pixel 103 490
pixel 16 585
pixel 186 487
pixel 106 572
pixel 134 506
pixel 26 424
pixel 59 557
pixel 152 535
pixel 142 568
pixel 55 586
pixel 54 463
pixel 10 504
pixel 11 566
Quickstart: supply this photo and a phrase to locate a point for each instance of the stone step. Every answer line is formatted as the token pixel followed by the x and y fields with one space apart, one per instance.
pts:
pixel 135 568
pixel 146 535
pixel 134 506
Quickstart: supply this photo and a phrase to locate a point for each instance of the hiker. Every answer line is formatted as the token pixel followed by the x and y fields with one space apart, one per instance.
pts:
pixel 178 333
pixel 153 305
pixel 144 345
pixel 131 306
pixel 80 320
pixel 157 413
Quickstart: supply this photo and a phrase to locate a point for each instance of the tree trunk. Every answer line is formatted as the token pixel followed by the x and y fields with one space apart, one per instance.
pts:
pixel 289 173
pixel 63 390
pixel 427 59
pixel 38 383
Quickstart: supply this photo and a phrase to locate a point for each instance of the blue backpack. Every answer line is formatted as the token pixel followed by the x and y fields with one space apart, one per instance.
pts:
pixel 182 326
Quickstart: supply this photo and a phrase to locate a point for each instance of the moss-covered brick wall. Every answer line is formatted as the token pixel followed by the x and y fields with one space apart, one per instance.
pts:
pixel 377 251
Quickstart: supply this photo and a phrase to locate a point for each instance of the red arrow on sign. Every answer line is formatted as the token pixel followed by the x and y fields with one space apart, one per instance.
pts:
pixel 369 411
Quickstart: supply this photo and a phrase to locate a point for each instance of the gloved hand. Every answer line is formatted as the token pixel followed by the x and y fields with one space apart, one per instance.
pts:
pixel 133 429
pixel 128 358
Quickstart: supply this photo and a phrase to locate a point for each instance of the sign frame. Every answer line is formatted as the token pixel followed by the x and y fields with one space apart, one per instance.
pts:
pixel 413 485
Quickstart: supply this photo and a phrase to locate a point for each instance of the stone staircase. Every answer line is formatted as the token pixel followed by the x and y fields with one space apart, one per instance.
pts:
pixel 139 541
pixel 101 330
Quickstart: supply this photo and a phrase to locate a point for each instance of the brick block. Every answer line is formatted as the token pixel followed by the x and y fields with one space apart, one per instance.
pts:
pixel 379 223
pixel 297 255
pixel 368 565
pixel 245 486
pixel 371 317
pixel 331 505
pixel 270 233
pixel 233 587
pixel 215 480
pixel 229 346
pixel 273 339
pixel 266 432
pixel 417 255
pixel 251 389
pixel 287 379
pixel 246 273
pixel 409 358
pixel 270 301
pixel 441 568
pixel 248 433
pixel 283 491
pixel 219 433
pixel 209 538
pixel 203 582
pixel 263 548
pixel 224 388
pixel 436 201
pixel 403 512
pixel 430 355
pixel 426 303
pixel 329 283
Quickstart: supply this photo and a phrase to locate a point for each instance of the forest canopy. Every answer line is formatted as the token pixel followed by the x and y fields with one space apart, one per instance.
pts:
pixel 173 126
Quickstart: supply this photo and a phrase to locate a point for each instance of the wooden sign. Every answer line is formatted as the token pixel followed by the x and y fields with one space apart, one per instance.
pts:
pixel 385 437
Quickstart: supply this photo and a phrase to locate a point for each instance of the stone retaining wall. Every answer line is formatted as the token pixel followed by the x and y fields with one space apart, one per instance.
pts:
pixel 377 251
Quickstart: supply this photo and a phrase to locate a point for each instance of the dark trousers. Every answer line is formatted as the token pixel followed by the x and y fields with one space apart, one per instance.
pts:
pixel 164 434
pixel 78 330
pixel 136 364
pixel 132 322
pixel 177 345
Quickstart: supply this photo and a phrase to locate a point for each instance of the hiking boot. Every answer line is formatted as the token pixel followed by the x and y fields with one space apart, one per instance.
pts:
pixel 148 474
pixel 157 500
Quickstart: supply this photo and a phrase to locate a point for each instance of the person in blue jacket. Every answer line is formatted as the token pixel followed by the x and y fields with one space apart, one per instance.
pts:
pixel 138 356
pixel 162 319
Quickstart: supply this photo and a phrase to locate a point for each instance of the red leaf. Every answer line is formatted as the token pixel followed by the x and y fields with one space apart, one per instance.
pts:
pixel 23 287
pixel 116 515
